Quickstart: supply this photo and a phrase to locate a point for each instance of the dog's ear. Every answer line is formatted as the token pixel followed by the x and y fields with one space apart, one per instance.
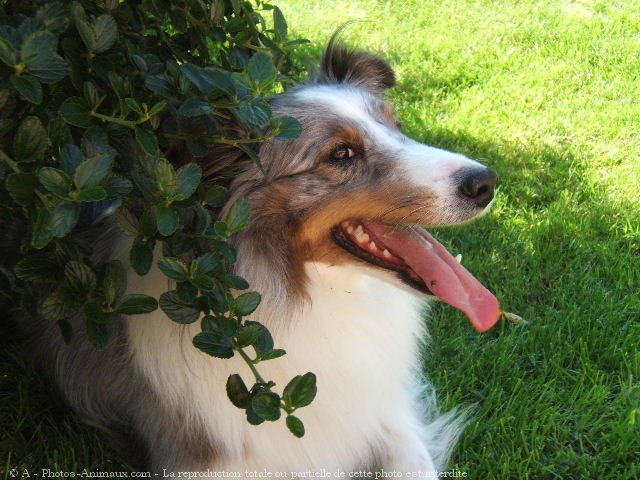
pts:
pixel 343 65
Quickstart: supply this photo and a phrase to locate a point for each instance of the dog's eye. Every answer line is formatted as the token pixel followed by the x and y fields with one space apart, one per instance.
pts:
pixel 342 153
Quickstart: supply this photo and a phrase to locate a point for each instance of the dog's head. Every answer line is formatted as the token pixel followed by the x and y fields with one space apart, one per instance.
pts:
pixel 353 189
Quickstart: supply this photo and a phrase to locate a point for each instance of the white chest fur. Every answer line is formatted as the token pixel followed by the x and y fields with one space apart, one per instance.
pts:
pixel 359 334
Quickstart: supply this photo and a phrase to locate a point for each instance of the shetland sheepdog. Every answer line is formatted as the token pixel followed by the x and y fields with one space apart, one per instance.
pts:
pixel 336 246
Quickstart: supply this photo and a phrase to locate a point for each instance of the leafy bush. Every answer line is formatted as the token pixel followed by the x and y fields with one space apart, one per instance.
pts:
pixel 93 94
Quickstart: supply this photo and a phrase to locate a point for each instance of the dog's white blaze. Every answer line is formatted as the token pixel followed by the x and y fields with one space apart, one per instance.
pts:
pixel 420 164
pixel 367 390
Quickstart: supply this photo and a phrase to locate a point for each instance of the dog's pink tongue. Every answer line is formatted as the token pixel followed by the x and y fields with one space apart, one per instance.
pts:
pixel 443 275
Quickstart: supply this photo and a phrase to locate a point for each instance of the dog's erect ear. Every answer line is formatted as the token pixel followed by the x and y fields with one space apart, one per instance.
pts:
pixel 363 70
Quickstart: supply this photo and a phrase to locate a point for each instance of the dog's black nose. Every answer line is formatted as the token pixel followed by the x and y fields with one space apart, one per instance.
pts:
pixel 477 184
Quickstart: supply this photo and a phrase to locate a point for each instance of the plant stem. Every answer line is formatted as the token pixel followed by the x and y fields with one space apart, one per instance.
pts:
pixel 119 121
pixel 249 362
pixel 6 159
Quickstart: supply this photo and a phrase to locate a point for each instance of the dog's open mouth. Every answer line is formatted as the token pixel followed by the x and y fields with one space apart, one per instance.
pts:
pixel 421 262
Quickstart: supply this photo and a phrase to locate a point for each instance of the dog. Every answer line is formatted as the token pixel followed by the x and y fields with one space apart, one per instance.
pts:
pixel 336 249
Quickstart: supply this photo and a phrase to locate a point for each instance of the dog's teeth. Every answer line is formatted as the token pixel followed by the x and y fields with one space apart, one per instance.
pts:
pixel 359 231
pixel 459 258
pixel 386 253
pixel 364 238
pixel 373 247
pixel 349 229
pixel 345 224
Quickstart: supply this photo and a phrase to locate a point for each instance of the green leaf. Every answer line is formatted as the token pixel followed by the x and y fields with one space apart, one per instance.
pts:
pixel 187 292
pixel 195 75
pixel 38 49
pixel 248 335
pixel 218 79
pixel 59 132
pixel 266 405
pixel 236 282
pixel 22 187
pixel 203 282
pixel 216 196
pixel 214 344
pixel 133 105
pixel 93 171
pixel 174 268
pixel 91 194
pixel 300 391
pixel 238 216
pixel 75 111
pixel 81 278
pixel 7 53
pixel 252 155
pixel 28 87
pixel 52 72
pixel 38 268
pixel 159 86
pixel 295 426
pixel 279 24
pixel 237 391
pixel 127 222
pixel 287 128
pixel 100 325
pixel 118 186
pixel 252 417
pixel 106 33
pixel 187 179
pixel 141 257
pixel 226 326
pixel 148 222
pixel 31 141
pixel 136 304
pixel 194 107
pixel 147 140
pixel 261 70
pixel 168 220
pixel 256 114
pixel 90 94
pixel 165 177
pixel 55 180
pixel 264 343
pixel 140 63
pixel 70 157
pixel 114 282
pixel 176 309
pixel 273 354
pixel 206 263
pixel 157 108
pixel 63 218
pixel 87 33
pixel 42 234
pixel 247 303
pixel 119 85
pixel 60 304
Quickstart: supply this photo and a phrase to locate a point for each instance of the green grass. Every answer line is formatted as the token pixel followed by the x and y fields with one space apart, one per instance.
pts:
pixel 547 93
